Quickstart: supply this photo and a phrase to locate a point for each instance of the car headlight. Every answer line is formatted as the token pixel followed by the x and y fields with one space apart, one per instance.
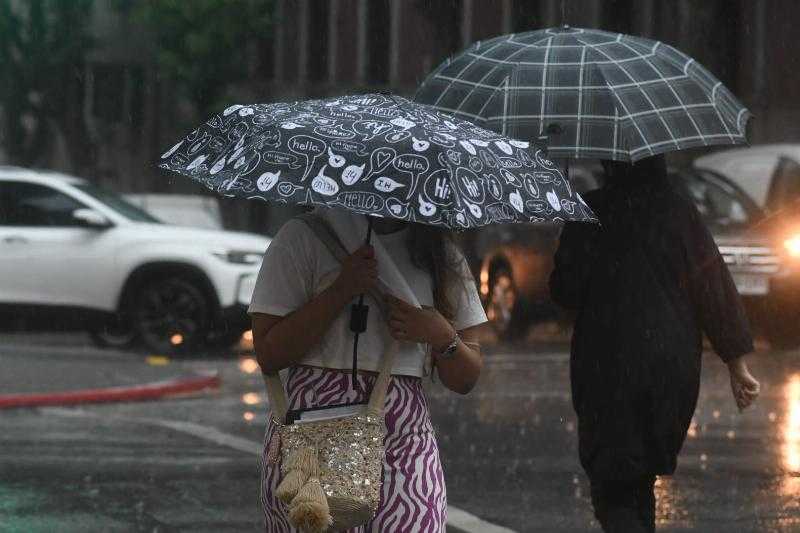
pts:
pixel 240 257
pixel 792 245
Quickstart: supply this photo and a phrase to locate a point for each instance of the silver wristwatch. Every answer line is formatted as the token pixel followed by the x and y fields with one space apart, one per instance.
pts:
pixel 450 351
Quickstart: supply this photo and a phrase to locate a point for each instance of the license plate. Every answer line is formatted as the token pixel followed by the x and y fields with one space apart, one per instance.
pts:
pixel 751 284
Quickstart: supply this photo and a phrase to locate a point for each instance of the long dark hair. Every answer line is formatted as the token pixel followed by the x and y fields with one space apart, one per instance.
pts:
pixel 436 251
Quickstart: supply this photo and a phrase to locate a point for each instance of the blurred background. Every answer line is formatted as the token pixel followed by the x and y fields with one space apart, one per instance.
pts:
pixel 94 238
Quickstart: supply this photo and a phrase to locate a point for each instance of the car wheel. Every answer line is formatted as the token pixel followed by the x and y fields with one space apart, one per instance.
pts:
pixel 502 305
pixel 171 316
pixel 114 331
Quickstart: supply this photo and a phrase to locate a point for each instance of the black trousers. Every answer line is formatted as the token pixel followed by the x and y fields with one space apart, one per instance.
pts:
pixel 625 506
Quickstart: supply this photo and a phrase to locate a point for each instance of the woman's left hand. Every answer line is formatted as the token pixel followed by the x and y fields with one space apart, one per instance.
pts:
pixel 413 324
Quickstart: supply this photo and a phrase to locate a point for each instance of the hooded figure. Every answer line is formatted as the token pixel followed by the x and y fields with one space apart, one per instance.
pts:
pixel 644 286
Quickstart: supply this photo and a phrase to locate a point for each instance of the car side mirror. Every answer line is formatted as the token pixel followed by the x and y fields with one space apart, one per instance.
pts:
pixel 90 218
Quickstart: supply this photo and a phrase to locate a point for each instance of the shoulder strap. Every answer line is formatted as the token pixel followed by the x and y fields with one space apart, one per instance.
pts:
pixel 331 241
pixel 275 390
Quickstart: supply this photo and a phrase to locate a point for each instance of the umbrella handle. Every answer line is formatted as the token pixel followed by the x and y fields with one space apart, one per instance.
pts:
pixel 358 318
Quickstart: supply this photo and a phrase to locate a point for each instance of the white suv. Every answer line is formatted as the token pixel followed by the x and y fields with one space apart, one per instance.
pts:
pixel 69 249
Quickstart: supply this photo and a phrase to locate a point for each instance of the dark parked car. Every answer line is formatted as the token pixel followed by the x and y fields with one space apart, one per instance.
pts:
pixel 762 253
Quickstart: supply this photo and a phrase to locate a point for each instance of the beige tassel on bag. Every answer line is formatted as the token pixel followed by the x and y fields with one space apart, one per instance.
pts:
pixel 298 468
pixel 309 511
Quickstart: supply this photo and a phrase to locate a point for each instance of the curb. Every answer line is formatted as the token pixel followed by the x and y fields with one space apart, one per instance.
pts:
pixel 135 393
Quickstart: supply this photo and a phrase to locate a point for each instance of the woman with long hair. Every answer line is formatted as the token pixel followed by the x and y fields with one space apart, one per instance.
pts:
pixel 301 313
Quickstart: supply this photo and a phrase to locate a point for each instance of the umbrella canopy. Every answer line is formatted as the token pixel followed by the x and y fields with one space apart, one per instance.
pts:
pixel 379 155
pixel 597 94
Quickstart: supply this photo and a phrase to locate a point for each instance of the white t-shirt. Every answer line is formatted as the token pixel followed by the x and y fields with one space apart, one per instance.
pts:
pixel 297 267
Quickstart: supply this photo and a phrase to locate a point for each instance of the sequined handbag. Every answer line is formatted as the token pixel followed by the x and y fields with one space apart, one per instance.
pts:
pixel 331 462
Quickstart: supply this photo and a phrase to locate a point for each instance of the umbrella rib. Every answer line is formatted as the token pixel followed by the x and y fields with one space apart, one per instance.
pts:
pixel 472 62
pixel 669 86
pixel 544 83
pixel 580 103
pixel 623 103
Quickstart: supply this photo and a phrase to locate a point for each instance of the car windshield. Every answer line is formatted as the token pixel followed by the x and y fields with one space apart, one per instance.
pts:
pixel 721 204
pixel 117 203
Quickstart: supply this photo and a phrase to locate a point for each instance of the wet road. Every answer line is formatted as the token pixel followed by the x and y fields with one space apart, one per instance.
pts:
pixel 509 451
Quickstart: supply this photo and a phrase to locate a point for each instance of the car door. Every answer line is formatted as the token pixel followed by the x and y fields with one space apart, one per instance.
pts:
pixel 48 257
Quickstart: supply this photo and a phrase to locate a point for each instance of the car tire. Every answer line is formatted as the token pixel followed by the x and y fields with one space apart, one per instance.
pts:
pixel 171 316
pixel 503 306
pixel 114 331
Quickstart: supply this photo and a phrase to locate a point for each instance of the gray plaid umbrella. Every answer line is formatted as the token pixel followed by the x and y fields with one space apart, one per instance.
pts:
pixel 597 94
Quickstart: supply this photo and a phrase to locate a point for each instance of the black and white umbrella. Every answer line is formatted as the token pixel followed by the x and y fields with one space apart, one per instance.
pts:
pixel 379 155
pixel 596 94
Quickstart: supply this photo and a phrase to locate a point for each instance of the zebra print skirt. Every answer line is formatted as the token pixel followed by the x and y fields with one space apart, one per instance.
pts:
pixel 413 497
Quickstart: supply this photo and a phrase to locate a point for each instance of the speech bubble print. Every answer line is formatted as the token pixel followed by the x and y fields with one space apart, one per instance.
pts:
pixel 290 125
pixel 308 147
pixel 267 180
pixel 323 184
pixel 539 207
pixel 171 151
pixel 504 147
pixel 361 201
pixel 387 184
pixel 352 174
pixel 397 208
pixel 231 109
pixel 419 145
pixel 324 121
pixel 542 160
pixel 568 206
pixel 526 159
pixel 490 159
pixel 246 111
pixel 519 144
pixel 235 155
pixel 442 141
pixel 414 165
pixel 199 160
pixel 515 199
pixel 350 107
pixel 334 160
pixel 199 144
pixel 426 209
pixel 510 178
pixel 454 157
pixel 380 159
pixel 404 123
pixel 239 184
pixel 336 113
pixel 279 158
pixel 397 136
pixel 494 186
pixel 509 162
pixel 287 189
pixel 217 144
pixel 552 199
pixel 469 185
pixel 247 163
pixel 269 138
pixel 461 219
pixel 438 187
pixel 529 182
pixel 383 112
pixel 475 164
pixel 350 147
pixel 450 125
pixel 475 210
pixel 219 165
pixel 500 212
pixel 478 142
pixel 468 147
pixel 334 132
pixel 370 129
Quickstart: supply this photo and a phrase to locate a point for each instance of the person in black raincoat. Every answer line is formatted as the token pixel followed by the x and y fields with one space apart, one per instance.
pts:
pixel 644 285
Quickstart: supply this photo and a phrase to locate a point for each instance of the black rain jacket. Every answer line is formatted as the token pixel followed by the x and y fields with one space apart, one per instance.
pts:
pixel 644 285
